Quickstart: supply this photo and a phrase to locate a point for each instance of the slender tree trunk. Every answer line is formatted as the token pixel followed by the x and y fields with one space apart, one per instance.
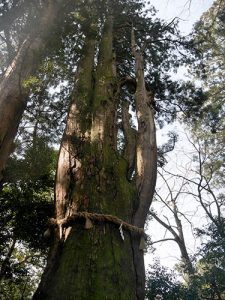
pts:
pixel 13 97
pixel 97 259
pixel 189 270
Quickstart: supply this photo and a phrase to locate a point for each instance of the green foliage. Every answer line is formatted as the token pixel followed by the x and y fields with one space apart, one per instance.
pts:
pixel 211 265
pixel 209 37
pixel 209 68
pixel 26 205
pixel 161 283
pixel 25 271
pixel 31 82
pixel 26 198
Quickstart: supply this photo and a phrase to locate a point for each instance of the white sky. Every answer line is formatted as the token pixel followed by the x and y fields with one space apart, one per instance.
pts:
pixel 188 11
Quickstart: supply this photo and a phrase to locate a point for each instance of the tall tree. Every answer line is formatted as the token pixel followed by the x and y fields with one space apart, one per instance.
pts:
pixel 104 189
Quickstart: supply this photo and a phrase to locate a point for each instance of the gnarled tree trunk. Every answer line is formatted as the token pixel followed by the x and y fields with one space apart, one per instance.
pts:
pixel 92 257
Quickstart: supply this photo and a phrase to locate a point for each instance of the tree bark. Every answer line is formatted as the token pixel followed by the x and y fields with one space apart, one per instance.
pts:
pixel 13 96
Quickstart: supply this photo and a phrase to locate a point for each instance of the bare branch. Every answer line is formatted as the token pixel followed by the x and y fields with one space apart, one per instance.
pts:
pixel 163 240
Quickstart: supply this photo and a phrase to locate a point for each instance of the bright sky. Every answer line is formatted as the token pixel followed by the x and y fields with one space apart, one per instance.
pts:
pixel 188 11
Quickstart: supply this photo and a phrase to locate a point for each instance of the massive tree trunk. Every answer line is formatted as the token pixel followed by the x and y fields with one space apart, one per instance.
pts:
pixel 13 96
pixel 97 251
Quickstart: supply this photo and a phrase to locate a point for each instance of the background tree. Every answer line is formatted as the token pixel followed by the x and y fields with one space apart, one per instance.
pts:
pixel 28 47
pixel 194 181
pixel 162 284
pixel 26 203
pixel 174 224
pixel 209 69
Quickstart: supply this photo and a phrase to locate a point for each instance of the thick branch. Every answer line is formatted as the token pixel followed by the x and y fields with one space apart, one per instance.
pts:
pixel 165 225
pixel 179 239
pixel 146 151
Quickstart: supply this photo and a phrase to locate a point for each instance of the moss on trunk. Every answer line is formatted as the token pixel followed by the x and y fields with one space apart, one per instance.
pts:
pixel 94 264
